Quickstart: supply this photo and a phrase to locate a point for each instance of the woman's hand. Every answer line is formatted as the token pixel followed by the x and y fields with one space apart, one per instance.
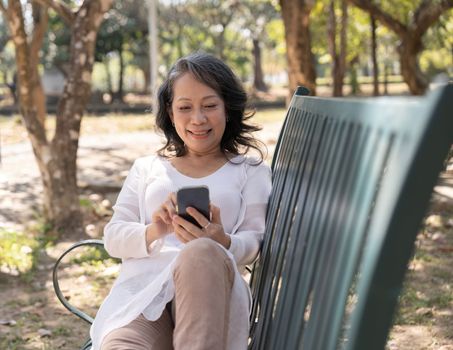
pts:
pixel 186 231
pixel 161 220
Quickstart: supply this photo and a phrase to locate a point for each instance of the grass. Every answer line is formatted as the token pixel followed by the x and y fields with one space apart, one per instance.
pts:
pixel 61 331
pixel 427 296
pixel 17 252
pixel 13 342
pixel 91 255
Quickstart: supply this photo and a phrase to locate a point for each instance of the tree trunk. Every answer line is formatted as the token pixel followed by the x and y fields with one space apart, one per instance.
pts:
pixel 343 47
pixel 121 82
pixel 13 88
pixel 386 80
pixel 338 56
pixel 146 69
pixel 118 95
pixel 56 159
pixel 374 56
pixel 409 50
pixel 32 107
pixel 331 39
pixel 410 35
pixel 301 63
pixel 220 44
pixel 70 110
pixel 258 78
pixel 40 20
pixel 106 63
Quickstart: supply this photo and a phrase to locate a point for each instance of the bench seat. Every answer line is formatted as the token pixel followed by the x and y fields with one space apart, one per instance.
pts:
pixel 352 179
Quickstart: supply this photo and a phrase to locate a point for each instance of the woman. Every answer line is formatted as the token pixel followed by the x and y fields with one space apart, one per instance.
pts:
pixel 180 285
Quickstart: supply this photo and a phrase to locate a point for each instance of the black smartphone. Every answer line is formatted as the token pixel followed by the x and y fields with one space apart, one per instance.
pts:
pixel 196 197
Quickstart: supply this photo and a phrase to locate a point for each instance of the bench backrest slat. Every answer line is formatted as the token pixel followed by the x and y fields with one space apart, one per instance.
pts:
pixel 352 179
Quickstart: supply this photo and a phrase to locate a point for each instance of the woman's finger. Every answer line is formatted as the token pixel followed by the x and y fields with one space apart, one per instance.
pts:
pixel 182 234
pixel 161 214
pixel 170 208
pixel 181 237
pixel 187 226
pixel 172 198
pixel 200 218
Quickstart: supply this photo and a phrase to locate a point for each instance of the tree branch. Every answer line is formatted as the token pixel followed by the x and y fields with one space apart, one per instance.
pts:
pixel 40 20
pixel 428 13
pixel 61 8
pixel 383 17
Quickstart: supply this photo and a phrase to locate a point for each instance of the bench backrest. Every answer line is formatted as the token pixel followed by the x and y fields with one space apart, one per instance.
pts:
pixel 351 182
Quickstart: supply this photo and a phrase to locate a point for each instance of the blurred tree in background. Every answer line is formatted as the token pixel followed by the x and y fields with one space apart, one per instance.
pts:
pixel 409 20
pixel 56 158
pixel 301 61
pixel 7 61
pixel 252 37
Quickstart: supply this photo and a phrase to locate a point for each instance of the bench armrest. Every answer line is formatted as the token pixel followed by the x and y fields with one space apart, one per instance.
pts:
pixel 56 285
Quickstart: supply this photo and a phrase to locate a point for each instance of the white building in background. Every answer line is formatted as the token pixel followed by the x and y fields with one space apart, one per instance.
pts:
pixel 53 82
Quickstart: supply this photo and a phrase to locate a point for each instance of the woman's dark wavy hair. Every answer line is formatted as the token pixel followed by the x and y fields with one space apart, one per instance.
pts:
pixel 237 138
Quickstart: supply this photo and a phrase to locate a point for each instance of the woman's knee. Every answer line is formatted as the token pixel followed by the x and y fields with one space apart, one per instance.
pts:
pixel 201 254
pixel 199 250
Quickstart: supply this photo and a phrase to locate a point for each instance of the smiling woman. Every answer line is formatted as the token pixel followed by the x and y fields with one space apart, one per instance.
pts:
pixel 217 81
pixel 198 115
pixel 180 284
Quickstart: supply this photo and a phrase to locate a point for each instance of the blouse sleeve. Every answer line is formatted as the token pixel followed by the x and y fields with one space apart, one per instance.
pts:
pixel 245 243
pixel 124 235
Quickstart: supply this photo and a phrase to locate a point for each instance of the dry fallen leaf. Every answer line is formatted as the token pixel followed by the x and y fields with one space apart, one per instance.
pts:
pixel 8 322
pixel 44 332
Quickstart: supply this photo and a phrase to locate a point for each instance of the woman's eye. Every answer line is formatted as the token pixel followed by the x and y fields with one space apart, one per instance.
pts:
pixel 184 108
pixel 210 106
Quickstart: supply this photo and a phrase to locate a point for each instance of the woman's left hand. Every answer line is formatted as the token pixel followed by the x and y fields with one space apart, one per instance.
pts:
pixel 186 231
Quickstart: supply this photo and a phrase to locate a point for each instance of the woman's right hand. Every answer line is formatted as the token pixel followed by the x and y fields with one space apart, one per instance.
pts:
pixel 161 220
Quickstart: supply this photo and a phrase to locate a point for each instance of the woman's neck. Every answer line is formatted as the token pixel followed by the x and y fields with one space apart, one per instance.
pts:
pixel 199 165
pixel 206 156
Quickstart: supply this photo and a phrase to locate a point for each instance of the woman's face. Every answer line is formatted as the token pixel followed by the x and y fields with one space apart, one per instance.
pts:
pixel 198 114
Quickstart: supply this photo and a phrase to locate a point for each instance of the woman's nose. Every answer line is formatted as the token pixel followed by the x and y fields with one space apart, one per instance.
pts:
pixel 198 117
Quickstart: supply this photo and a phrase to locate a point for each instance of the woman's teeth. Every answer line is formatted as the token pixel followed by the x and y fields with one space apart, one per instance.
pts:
pixel 199 133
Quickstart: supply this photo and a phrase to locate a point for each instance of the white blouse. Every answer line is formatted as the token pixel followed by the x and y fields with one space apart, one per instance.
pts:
pixel 145 283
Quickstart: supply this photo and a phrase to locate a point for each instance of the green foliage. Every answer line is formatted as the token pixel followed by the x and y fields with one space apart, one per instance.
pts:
pixel 61 331
pixel 417 307
pixel 55 50
pixel 17 252
pixel 85 203
pixel 438 40
pixel 12 342
pixel 402 10
pixel 276 34
pixel 226 29
pixel 92 256
pixel 7 58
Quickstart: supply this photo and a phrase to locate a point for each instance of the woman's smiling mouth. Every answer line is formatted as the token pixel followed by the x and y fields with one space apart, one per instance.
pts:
pixel 199 133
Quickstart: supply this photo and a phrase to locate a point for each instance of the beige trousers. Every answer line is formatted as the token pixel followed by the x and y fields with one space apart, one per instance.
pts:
pixel 198 316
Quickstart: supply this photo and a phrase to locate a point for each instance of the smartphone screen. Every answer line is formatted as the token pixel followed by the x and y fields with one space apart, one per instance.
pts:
pixel 196 197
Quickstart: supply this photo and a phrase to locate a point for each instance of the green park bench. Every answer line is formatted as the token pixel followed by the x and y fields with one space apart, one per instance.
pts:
pixel 352 179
